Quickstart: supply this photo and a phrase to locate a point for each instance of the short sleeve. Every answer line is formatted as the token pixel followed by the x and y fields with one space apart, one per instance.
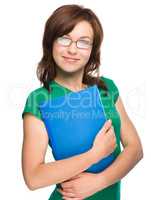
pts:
pixel 112 87
pixel 115 91
pixel 31 106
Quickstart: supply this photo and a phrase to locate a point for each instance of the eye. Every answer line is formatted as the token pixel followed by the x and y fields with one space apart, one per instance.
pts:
pixel 63 40
pixel 85 42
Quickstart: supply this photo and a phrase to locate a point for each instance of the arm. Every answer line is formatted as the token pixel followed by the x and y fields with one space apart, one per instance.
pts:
pixel 129 157
pixel 36 172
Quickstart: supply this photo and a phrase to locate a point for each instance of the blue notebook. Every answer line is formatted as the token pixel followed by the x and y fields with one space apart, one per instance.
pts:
pixel 72 122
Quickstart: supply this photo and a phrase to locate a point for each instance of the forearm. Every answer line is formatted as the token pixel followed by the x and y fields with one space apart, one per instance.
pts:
pixel 58 171
pixel 128 158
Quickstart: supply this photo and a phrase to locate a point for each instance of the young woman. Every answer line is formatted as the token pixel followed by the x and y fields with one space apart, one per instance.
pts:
pixel 71 55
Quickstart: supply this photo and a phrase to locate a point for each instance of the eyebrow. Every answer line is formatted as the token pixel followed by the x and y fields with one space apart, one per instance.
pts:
pixel 81 36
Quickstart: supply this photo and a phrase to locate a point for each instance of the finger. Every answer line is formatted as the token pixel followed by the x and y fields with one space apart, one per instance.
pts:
pixel 111 136
pixel 68 194
pixel 112 127
pixel 67 198
pixel 65 190
pixel 111 130
pixel 74 198
pixel 67 185
pixel 68 190
pixel 106 126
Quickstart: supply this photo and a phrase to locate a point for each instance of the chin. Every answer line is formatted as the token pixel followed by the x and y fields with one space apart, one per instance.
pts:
pixel 69 71
pixel 69 68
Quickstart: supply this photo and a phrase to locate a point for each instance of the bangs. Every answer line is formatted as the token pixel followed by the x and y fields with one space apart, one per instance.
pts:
pixel 67 23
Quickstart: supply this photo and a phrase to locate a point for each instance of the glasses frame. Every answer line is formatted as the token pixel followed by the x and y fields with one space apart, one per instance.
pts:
pixel 72 41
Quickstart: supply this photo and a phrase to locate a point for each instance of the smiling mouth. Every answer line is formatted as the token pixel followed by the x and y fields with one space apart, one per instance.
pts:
pixel 70 59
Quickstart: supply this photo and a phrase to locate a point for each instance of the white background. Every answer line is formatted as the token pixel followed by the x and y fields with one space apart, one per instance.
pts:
pixel 125 59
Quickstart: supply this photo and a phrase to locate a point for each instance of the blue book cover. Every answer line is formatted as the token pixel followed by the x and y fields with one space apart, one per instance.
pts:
pixel 72 122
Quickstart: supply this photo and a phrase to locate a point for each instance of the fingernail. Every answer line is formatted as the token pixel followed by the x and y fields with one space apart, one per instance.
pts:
pixel 109 120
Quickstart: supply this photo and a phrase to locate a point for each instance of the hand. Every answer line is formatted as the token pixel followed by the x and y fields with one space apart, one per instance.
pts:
pixel 80 186
pixel 105 142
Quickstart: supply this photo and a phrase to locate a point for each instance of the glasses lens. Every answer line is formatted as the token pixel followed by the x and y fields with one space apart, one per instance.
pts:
pixel 64 41
pixel 83 44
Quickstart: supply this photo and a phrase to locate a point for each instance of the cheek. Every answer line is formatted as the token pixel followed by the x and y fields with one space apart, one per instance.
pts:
pixel 85 56
pixel 56 52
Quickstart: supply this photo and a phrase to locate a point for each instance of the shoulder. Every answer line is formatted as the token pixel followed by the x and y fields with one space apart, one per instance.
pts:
pixel 33 100
pixel 39 90
pixel 108 81
pixel 112 87
pixel 39 94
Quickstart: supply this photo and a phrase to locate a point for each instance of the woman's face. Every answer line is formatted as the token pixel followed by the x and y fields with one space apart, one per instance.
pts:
pixel 71 58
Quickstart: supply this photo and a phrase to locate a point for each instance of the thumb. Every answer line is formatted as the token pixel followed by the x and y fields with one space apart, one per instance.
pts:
pixel 106 126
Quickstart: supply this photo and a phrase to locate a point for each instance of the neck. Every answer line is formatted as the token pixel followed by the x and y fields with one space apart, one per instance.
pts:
pixel 71 80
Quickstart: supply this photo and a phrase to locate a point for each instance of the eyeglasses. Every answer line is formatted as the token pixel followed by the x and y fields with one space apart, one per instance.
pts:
pixel 81 44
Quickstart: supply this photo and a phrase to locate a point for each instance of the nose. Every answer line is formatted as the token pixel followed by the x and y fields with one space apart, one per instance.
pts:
pixel 72 48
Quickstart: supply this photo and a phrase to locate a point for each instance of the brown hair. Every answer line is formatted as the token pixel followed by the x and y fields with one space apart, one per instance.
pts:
pixel 61 22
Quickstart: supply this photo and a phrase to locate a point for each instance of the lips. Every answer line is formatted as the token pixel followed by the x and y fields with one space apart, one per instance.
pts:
pixel 70 59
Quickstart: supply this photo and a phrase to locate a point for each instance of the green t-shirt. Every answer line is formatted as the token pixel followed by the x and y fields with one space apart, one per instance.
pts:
pixel 41 94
